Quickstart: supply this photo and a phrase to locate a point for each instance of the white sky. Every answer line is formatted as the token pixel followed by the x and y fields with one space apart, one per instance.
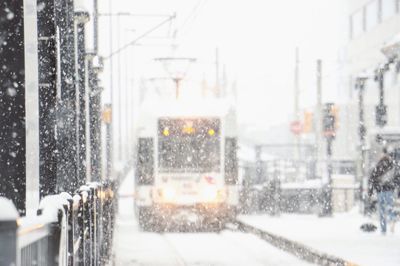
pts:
pixel 256 42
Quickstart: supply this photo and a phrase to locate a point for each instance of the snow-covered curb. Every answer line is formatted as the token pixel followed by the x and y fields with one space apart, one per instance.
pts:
pixel 299 250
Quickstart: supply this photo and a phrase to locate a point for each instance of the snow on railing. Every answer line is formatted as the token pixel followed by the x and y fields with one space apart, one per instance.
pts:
pixel 67 230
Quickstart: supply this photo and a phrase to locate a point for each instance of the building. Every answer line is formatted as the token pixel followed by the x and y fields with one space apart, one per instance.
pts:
pixel 372 25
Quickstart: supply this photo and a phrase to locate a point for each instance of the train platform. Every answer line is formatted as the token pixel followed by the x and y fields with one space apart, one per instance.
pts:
pixel 339 235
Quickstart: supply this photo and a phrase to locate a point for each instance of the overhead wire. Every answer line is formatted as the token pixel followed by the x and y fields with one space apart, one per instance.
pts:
pixel 192 16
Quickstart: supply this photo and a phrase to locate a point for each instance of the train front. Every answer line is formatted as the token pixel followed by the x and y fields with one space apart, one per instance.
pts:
pixel 190 186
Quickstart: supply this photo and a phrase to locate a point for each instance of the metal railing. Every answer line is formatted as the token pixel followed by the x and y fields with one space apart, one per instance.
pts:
pixel 67 230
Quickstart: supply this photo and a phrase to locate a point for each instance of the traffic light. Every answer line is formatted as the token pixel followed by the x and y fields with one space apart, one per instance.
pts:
pixel 330 120
pixel 335 113
pixel 106 115
pixel 308 122
pixel 381 115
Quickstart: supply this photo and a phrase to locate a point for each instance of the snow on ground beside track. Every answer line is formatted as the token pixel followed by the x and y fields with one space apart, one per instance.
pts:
pixel 125 193
pixel 339 235
pixel 133 247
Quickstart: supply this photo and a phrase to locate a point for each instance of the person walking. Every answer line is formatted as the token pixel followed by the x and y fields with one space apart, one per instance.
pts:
pixel 383 179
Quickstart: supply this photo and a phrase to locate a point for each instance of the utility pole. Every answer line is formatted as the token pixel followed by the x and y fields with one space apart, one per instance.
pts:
pixel 360 85
pixel 217 82
pixel 95 27
pixel 329 126
pixel 12 104
pixel 110 125
pixel 82 17
pixel 119 93
pixel 67 163
pixel 381 108
pixel 296 103
pixel 318 118
pixel 95 67
pixel 47 49
pixel 259 172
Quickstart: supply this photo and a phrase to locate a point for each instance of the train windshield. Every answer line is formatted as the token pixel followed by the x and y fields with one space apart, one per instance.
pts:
pixel 189 145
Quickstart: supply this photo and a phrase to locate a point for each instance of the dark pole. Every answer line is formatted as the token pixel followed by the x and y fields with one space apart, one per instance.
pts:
pixel 119 94
pixel 381 109
pixel 12 103
pixel 94 67
pixel 259 172
pixel 109 128
pixel 47 50
pixel 328 207
pixel 95 27
pixel 328 121
pixel 258 175
pixel 91 90
pixel 360 85
pixel 108 120
pixel 381 86
pixel 82 18
pixel 67 174
pixel 128 89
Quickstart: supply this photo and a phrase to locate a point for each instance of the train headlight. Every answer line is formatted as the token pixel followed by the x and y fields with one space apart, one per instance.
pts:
pixel 212 193
pixel 168 193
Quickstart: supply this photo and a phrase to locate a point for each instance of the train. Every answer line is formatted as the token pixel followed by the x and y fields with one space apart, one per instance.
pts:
pixel 186 171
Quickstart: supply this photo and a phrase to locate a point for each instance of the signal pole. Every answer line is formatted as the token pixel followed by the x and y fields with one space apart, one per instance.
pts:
pixel 318 117
pixel 296 102
pixel 329 124
pixel 381 108
pixel 360 85
pixel 217 83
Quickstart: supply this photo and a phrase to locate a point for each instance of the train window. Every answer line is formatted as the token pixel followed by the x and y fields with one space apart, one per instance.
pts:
pixel 191 145
pixel 145 162
pixel 231 163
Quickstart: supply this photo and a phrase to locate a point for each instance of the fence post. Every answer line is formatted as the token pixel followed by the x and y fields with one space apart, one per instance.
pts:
pixel 54 238
pixel 8 232
pixel 93 223
pixel 85 233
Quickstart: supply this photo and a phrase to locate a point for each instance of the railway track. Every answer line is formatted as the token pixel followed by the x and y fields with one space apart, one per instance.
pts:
pixel 179 260
pixel 134 247
pixel 297 249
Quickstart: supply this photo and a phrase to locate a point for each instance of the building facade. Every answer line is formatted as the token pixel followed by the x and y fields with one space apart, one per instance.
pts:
pixel 372 26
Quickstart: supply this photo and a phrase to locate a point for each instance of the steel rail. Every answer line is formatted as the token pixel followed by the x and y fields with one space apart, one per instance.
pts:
pixel 299 250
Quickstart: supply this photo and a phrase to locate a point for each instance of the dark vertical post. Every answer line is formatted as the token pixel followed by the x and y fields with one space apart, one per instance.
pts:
pixel 95 103
pixel 328 206
pixel 67 179
pixel 108 120
pixel 81 17
pixel 329 121
pixel 258 176
pixel 259 172
pixel 381 109
pixel 95 27
pixel 119 80
pixel 128 89
pixel 95 66
pixel 362 131
pixel 12 103
pixel 110 127
pixel 8 233
pixel 47 97
pixel 90 77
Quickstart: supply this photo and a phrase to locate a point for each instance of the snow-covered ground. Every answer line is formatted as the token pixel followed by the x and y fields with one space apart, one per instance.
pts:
pixel 339 235
pixel 133 247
